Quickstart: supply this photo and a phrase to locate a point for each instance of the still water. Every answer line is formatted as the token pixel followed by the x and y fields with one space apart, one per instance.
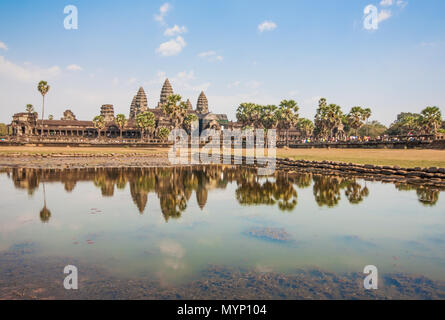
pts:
pixel 170 224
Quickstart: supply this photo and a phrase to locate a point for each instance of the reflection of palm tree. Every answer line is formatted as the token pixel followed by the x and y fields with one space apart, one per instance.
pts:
pixel 326 190
pixel 427 196
pixel 355 193
pixel 45 214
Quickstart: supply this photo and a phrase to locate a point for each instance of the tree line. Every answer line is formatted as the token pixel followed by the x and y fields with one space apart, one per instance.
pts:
pixel 330 122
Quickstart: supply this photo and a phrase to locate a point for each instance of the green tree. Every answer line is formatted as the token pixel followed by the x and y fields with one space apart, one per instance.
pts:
pixel 355 118
pixel 405 122
pixel 29 108
pixel 147 122
pixel 249 114
pixel 3 129
pixel 163 133
pixel 189 119
pixel 121 122
pixel 306 127
pixel 50 117
pixel 327 118
pixel 367 113
pixel 287 116
pixel 431 119
pixel 43 88
pixel 175 109
pixel 99 123
pixel 268 116
pixel 373 129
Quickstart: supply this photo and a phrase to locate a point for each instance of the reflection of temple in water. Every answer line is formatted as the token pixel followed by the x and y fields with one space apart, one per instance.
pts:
pixel 174 186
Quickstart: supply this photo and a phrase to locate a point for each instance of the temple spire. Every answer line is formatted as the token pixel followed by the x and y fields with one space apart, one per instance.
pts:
pixel 166 91
pixel 189 105
pixel 202 105
pixel 139 103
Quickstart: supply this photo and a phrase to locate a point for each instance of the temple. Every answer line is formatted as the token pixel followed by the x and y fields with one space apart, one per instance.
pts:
pixel 28 125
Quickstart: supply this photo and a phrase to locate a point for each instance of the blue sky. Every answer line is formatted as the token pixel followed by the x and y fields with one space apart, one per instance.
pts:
pixel 236 51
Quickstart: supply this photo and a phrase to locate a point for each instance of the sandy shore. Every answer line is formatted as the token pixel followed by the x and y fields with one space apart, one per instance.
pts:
pixel 85 157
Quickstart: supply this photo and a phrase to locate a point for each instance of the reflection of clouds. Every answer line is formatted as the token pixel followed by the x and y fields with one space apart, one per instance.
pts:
pixel 263 268
pixel 173 253
pixel 14 225
pixel 172 249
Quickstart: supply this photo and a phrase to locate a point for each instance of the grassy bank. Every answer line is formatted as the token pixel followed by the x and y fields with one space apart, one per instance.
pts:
pixel 409 158
pixel 403 158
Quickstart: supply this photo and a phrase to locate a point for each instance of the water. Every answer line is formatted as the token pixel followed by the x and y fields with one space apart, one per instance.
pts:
pixel 169 224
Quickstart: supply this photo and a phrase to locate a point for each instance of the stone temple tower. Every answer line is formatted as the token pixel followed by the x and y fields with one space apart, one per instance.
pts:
pixel 107 111
pixel 202 107
pixel 133 108
pixel 189 105
pixel 166 91
pixel 139 103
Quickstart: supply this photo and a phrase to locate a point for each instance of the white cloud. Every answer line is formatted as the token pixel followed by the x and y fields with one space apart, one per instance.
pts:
pixel 253 84
pixel 429 44
pixel 162 13
pixel 234 84
pixel 210 56
pixel 206 54
pixel 29 73
pixel 386 3
pixel 172 47
pixel 74 67
pixel 267 26
pixel 384 15
pixel 170 32
pixel 3 46
pixel 184 75
pixel 402 4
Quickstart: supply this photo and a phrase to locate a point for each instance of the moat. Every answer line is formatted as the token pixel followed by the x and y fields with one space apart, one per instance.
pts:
pixel 217 232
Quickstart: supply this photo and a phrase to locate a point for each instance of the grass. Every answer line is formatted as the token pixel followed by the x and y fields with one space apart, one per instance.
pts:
pixel 408 158
pixel 391 157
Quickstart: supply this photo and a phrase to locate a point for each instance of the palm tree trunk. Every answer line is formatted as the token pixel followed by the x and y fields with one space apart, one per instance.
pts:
pixel 43 115
pixel 44 196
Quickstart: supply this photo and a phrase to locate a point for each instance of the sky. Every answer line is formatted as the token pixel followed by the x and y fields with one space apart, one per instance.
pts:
pixel 235 50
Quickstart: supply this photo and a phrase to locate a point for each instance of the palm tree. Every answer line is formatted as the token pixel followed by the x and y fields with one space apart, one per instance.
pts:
pixel 327 118
pixel 99 124
pixel 320 120
pixel 146 121
pixel 431 119
pixel 411 123
pixel 163 133
pixel 305 126
pixel 175 109
pixel 366 115
pixel 43 88
pixel 121 121
pixel 355 118
pixel 287 115
pixel 29 108
pixel 268 116
pixel 334 117
pixel 50 117
pixel 189 119
pixel 249 114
